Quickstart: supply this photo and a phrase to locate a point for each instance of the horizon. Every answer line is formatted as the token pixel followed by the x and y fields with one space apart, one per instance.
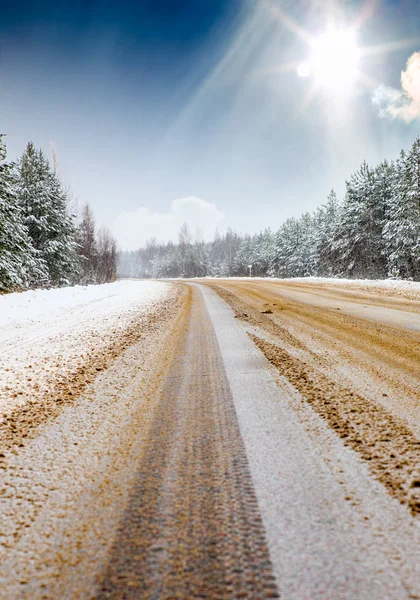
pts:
pixel 207 114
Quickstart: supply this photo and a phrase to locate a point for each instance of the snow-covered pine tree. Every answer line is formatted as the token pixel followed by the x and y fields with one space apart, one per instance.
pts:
pixel 358 237
pixel 379 211
pixel 244 257
pixel 278 266
pixel 200 258
pixel 50 226
pixel 327 219
pixel 308 258
pixel 294 252
pixel 63 262
pixel 288 240
pixel 17 261
pixel 262 252
pixel 87 246
pixel 402 228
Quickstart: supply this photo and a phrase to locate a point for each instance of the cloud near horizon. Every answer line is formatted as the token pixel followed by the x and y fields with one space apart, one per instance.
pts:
pixel 404 103
pixel 134 228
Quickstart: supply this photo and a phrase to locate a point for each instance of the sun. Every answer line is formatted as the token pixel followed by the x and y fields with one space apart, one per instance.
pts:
pixel 334 60
pixel 333 66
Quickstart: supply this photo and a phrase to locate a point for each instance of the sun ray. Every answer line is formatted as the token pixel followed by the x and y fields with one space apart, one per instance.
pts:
pixel 389 47
pixel 366 12
pixel 288 22
pixel 334 60
pixel 289 67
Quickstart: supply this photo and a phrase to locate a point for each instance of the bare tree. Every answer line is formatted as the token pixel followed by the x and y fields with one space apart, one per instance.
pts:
pixel 107 256
pixel 184 243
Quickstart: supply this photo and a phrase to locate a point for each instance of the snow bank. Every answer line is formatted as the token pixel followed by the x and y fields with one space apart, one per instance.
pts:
pixel 30 305
pixel 49 335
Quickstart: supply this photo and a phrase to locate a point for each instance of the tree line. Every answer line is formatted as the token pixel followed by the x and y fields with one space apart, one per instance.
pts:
pixel 373 233
pixel 43 243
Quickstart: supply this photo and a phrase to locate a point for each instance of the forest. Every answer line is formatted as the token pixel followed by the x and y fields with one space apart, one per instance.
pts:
pixel 371 233
pixel 44 240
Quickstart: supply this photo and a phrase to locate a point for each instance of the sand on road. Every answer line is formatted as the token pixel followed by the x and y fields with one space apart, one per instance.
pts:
pixel 247 441
pixel 233 446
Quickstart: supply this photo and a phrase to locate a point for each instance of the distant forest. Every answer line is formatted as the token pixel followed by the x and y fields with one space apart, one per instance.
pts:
pixel 372 233
pixel 43 241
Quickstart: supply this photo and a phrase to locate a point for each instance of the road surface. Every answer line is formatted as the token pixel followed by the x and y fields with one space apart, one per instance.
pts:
pixel 262 441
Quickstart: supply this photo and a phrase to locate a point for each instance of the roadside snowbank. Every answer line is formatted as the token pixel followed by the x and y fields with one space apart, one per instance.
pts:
pixel 50 335
pixel 26 306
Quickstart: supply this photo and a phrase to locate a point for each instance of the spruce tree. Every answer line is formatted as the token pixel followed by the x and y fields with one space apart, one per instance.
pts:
pixel 87 247
pixel 51 228
pixel 327 218
pixel 402 227
pixel 17 262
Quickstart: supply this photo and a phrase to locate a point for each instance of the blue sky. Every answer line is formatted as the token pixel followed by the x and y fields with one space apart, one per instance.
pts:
pixel 169 111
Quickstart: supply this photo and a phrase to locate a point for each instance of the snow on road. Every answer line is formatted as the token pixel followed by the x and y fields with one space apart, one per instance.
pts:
pixel 392 287
pixel 333 531
pixel 47 335
pixel 80 372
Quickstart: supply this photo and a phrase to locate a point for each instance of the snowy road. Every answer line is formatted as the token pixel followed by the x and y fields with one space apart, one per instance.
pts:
pixel 332 530
pixel 80 368
pixel 238 439
pixel 404 314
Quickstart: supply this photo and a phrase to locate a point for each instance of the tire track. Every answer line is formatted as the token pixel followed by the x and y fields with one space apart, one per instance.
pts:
pixel 64 386
pixel 192 528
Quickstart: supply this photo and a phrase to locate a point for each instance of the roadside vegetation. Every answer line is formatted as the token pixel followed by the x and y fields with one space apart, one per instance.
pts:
pixel 373 233
pixel 43 241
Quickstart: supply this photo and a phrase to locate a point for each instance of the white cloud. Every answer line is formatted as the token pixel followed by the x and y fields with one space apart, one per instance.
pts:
pixel 133 228
pixel 404 103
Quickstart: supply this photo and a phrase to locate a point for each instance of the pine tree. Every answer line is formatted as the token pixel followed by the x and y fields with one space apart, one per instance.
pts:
pixel 327 218
pixel 294 248
pixel 402 227
pixel 358 237
pixel 17 263
pixel 87 246
pixel 50 226
pixel 382 193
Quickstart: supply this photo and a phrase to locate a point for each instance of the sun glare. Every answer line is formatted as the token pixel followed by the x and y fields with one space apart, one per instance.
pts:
pixel 334 60
pixel 333 65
